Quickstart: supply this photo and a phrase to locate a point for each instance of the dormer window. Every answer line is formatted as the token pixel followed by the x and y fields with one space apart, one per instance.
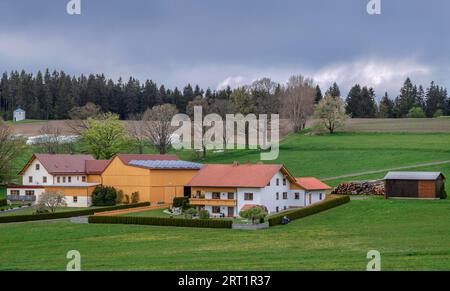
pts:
pixel 38 167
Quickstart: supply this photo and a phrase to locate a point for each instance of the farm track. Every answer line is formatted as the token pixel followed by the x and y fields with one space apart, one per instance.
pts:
pixel 385 170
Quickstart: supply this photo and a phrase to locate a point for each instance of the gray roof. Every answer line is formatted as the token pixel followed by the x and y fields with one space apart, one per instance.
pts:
pixel 413 175
pixel 167 165
pixel 19 110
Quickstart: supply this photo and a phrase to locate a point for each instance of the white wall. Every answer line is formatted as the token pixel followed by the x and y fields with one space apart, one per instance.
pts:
pixel 19 116
pixel 83 201
pixel 37 175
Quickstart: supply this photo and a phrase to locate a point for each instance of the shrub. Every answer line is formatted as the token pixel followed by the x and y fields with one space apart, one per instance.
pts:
pixel 416 112
pixel 104 196
pixel 161 221
pixel 120 196
pixel 180 202
pixel 203 214
pixel 256 213
pixel 134 197
pixel 310 210
pixel 189 213
pixel 67 214
pixel 3 202
pixel 438 113
pixel 127 199
pixel 443 193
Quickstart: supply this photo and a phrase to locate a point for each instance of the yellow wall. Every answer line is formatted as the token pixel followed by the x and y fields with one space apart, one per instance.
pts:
pixel 72 191
pixel 155 186
pixel 94 179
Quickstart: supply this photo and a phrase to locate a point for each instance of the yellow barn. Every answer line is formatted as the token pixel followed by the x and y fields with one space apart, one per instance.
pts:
pixel 157 178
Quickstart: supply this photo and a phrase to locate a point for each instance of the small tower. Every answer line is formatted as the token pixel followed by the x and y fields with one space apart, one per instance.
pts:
pixel 19 115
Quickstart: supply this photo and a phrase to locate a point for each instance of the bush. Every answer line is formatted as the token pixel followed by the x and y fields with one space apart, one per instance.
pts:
pixel 203 214
pixel 182 202
pixel 443 193
pixel 161 221
pixel 3 202
pixel 416 112
pixel 189 213
pixel 127 199
pixel 134 197
pixel 104 196
pixel 310 210
pixel 438 113
pixel 67 214
pixel 256 213
pixel 120 196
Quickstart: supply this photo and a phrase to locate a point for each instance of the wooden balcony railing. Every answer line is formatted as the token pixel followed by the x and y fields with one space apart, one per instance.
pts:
pixel 212 202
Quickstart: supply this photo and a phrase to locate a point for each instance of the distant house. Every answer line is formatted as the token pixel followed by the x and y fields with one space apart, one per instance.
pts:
pixel 428 185
pixel 19 115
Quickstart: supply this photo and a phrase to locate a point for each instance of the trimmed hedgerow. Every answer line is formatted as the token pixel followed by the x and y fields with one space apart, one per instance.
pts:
pixel 161 221
pixel 67 214
pixel 3 202
pixel 309 210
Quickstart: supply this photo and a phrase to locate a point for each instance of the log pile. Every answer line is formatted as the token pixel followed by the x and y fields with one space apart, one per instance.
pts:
pixel 361 188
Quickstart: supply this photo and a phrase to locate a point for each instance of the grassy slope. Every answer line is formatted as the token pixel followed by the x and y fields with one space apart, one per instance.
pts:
pixel 411 235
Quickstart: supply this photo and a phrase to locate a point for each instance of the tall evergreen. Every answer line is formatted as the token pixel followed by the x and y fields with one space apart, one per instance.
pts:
pixel 334 90
pixel 386 107
pixel 360 102
pixel 436 99
pixel 319 95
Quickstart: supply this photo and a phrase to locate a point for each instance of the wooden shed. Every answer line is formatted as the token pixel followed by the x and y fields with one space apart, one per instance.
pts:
pixel 425 185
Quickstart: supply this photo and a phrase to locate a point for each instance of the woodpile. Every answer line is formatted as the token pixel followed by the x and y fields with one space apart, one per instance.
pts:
pixel 361 188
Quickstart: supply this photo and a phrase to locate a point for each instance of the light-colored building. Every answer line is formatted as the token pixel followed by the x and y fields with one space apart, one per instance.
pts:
pixel 225 190
pixel 19 114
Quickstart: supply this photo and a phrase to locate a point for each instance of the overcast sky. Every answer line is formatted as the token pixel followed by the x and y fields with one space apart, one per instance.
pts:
pixel 231 42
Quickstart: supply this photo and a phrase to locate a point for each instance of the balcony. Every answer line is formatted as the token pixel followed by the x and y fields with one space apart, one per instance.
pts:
pixel 25 198
pixel 213 202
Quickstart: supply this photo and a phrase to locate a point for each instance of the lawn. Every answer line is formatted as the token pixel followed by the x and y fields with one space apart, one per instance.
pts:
pixel 411 235
pixel 31 210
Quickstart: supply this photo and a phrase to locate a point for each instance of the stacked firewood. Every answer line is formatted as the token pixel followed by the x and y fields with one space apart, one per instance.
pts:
pixel 361 188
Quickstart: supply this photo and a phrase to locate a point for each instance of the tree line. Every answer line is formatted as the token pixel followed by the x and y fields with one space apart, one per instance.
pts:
pixel 54 95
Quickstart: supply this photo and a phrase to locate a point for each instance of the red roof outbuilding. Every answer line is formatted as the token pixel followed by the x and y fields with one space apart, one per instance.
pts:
pixel 310 183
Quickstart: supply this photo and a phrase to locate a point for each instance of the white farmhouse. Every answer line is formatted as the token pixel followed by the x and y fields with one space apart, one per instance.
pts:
pixel 19 115
pixel 225 190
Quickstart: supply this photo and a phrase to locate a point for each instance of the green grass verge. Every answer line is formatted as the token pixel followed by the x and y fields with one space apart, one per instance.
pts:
pixel 411 235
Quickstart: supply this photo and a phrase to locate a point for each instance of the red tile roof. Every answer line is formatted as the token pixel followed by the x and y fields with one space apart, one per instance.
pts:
pixel 245 175
pixel 126 158
pixel 96 166
pixel 310 183
pixel 61 164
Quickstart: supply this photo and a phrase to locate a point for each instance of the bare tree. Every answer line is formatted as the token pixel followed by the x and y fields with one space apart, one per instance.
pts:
pixel 50 140
pixel 10 148
pixel 136 130
pixel 199 130
pixel 330 114
pixel 51 200
pixel 298 101
pixel 80 115
pixel 157 126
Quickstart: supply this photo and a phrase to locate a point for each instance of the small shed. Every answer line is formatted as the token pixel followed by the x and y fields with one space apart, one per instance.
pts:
pixel 429 185
pixel 19 114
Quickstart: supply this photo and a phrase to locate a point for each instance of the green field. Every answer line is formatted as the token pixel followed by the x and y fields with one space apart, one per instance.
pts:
pixel 411 235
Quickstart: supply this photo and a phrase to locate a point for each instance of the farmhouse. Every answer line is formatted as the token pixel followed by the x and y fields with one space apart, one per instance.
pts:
pixel 426 185
pixel 74 175
pixel 225 190
pixel 19 115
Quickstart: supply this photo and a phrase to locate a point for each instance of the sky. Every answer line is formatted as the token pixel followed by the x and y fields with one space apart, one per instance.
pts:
pixel 215 43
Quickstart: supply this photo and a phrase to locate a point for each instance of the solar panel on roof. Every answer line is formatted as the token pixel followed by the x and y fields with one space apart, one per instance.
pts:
pixel 166 164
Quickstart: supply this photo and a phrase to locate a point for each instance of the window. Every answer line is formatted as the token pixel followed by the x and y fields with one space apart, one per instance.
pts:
pixel 284 182
pixel 320 196
pixel 198 194
pixel 297 196
pixel 277 209
pixel 83 179
pixel 278 182
pixel 29 192
pixel 284 207
pixel 38 167
pixel 278 196
pixel 285 196
pixel 216 195
pixel 58 179
pixel 44 179
pixel 69 179
pixel 75 199
pixel 248 196
pixel 231 195
pixel 216 209
pixel 30 179
pixel 15 192
pixel 64 179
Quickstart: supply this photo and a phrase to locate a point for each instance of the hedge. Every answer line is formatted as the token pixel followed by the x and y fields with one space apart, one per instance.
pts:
pixel 161 221
pixel 67 214
pixel 3 202
pixel 309 210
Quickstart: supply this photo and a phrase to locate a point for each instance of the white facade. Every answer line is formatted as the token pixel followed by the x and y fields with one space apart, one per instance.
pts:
pixel 19 115
pixel 37 176
pixel 276 196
